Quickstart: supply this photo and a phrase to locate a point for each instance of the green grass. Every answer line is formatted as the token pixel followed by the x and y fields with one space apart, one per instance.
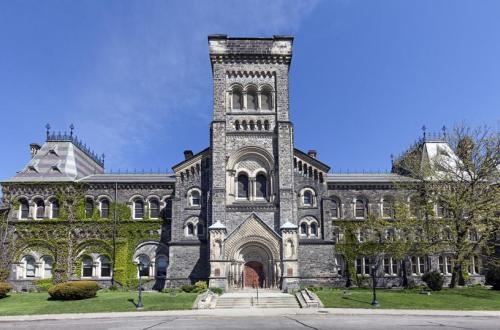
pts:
pixel 38 303
pixel 472 298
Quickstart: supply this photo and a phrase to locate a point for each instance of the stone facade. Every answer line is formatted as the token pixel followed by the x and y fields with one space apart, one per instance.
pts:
pixel 248 210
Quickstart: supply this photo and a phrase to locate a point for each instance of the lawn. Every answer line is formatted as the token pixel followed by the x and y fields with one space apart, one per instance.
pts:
pixel 117 301
pixel 472 298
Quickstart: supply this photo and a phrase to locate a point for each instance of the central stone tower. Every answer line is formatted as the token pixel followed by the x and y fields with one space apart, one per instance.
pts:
pixel 253 236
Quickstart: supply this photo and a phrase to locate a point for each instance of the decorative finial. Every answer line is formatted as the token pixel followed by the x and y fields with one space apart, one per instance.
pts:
pixel 71 127
pixel 48 130
pixel 103 156
pixel 423 130
pixel 392 159
pixel 444 131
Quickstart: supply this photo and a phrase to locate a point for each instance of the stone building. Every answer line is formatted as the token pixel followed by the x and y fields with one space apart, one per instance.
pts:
pixel 248 210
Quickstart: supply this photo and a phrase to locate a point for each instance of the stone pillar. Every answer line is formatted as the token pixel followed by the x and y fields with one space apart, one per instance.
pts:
pixel 290 264
pixel 219 265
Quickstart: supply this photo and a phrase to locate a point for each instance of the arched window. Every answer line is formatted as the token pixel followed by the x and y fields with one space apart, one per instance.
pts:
pixel 266 125
pixel 89 207
pixel 237 99
pixel 388 207
pixel 30 266
pixel 308 198
pixel 303 229
pixel 194 198
pixel 154 209
pixel 190 229
pixel 261 185
pixel 87 267
pixel 105 209
pixel 47 266
pixel 251 99
pixel 40 209
pixel 144 264
pixel 24 209
pixel 161 266
pixel 243 186
pixel 54 209
pixel 314 229
pixel 105 266
pixel 138 208
pixel 266 99
pixel 360 211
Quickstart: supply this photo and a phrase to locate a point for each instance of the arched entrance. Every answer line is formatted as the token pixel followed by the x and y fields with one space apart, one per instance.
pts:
pixel 254 275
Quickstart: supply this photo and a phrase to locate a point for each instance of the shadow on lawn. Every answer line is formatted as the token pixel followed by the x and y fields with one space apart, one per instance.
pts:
pixel 131 300
pixel 356 300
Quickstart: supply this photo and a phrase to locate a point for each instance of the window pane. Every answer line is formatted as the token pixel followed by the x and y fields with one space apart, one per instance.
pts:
pixel 335 210
pixel 24 209
pixel 261 182
pixel 161 267
pixel 360 209
pixel 308 199
pixel 359 266
pixel 40 209
pixel 105 267
pixel 87 267
pixel 237 100
pixel 190 229
pixel 314 229
pixel 138 209
pixel 195 198
pixel 242 186
pixel 144 266
pixel 30 267
pixel 303 229
pixel 154 211
pixel 47 267
pixel 105 208
pixel 55 209
pixel 266 100
pixel 251 101
pixel 89 208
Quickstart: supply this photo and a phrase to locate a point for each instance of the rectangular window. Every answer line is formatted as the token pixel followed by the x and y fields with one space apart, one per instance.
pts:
pixel 449 266
pixel 105 270
pixel 359 266
pixel 387 266
pixel 87 271
pixel 394 267
pixel 421 265
pixel 367 266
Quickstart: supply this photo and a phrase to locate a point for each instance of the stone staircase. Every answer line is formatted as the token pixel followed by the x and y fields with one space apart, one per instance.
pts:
pixel 249 300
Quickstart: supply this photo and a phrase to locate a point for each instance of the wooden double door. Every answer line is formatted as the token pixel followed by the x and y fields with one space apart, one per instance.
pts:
pixel 254 275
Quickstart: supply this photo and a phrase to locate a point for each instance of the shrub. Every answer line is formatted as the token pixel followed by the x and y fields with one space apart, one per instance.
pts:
pixel 74 290
pixel 493 277
pixel 132 283
pixel 4 289
pixel 218 291
pixel 43 285
pixel 113 288
pixel 188 288
pixel 200 286
pixel 434 280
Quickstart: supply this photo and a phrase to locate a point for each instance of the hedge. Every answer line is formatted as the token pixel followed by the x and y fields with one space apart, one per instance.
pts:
pixel 4 289
pixel 74 290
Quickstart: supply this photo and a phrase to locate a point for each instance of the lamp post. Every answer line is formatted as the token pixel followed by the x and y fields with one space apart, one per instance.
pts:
pixel 139 301
pixel 374 284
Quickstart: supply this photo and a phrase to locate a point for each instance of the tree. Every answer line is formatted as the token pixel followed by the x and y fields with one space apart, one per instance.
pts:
pixel 460 175
pixel 7 244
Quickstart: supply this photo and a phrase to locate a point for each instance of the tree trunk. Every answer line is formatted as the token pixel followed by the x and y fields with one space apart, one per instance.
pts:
pixel 348 282
pixel 457 276
pixel 404 274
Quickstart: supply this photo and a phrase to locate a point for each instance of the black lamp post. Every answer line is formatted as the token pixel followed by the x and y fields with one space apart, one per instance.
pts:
pixel 374 285
pixel 139 301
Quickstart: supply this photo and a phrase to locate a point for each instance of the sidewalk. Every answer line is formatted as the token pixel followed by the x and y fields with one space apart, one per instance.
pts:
pixel 254 311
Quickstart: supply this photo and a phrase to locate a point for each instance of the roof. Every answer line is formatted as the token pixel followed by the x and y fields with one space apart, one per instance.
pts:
pixel 130 177
pixel 191 159
pixel 365 178
pixel 288 225
pixel 312 160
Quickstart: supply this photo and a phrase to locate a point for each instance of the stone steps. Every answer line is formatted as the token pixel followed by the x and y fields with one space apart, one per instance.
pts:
pixel 276 300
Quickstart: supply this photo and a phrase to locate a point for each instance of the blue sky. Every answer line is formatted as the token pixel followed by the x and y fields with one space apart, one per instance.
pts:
pixel 134 76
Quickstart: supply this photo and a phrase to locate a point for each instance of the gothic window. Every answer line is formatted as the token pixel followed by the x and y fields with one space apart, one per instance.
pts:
pixel 40 209
pixel 105 208
pixel 54 209
pixel 261 185
pixel 237 99
pixel 138 208
pixel 87 267
pixel 30 266
pixel 242 186
pixel 361 209
pixel 89 207
pixel 154 209
pixel 251 99
pixel 161 267
pixel 105 266
pixel 144 265
pixel 388 207
pixel 266 99
pixel 47 267
pixel 24 209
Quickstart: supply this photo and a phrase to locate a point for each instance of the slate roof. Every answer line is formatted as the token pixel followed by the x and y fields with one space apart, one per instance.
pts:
pixel 129 177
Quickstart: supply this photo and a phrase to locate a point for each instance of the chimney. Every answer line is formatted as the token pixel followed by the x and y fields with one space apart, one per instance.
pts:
pixel 188 154
pixel 34 147
pixel 312 153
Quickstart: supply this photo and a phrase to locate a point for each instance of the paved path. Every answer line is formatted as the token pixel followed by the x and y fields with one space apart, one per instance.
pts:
pixel 262 319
